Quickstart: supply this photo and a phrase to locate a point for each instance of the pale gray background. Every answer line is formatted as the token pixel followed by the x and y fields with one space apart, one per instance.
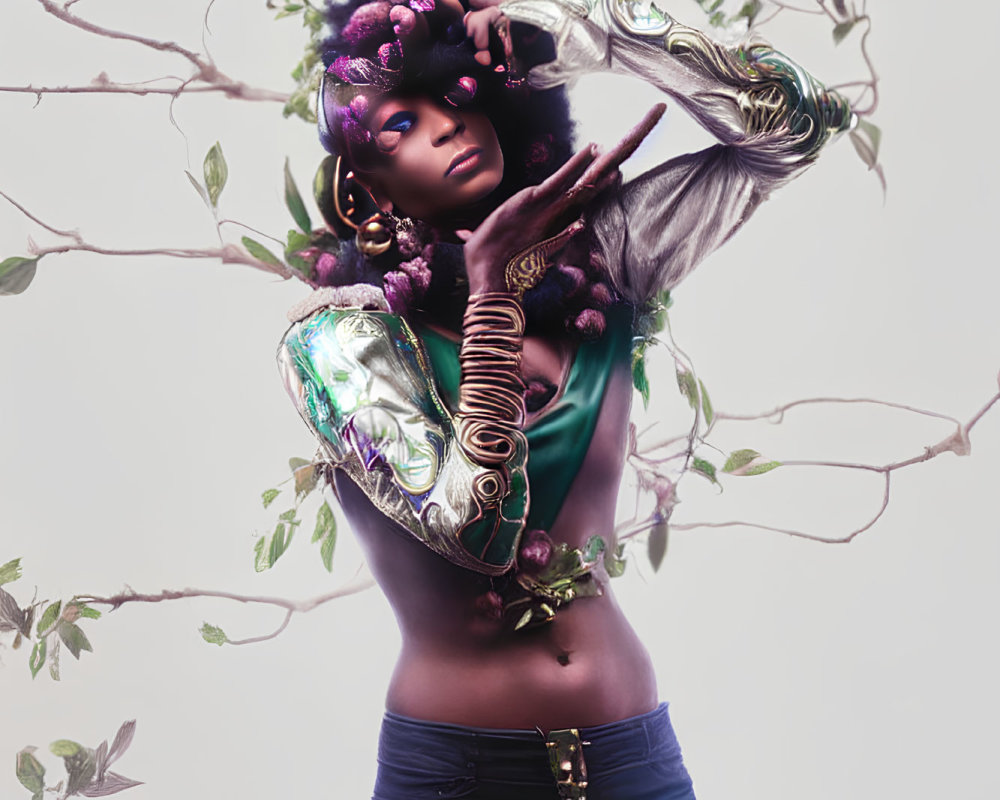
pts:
pixel 142 415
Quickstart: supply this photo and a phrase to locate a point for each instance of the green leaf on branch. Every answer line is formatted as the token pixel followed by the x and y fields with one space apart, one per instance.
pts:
pixel 74 638
pixel 288 10
pixel 30 772
pixel 639 378
pixel 748 462
pixel 54 660
pixel 10 571
pixel 749 11
pixel 294 202
pixel 706 404
pixel 199 189
pixel 738 459
pixel 867 139
pixel 306 476
pixel 614 561
pixel 656 543
pixel 261 253
pixel 326 523
pixel 37 659
pixel 49 617
pixel 296 242
pixel 270 548
pixel 16 274
pixel 87 612
pixel 689 386
pixel 704 468
pixel 313 19
pixel 300 104
pixel 842 29
pixel 216 173
pixel 325 533
pixel 524 620
pixel 760 469
pixel 326 548
pixel 213 634
pixel 65 748
pixel 269 495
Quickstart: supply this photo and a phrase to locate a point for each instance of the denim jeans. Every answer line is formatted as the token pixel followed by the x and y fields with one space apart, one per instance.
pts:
pixel 634 759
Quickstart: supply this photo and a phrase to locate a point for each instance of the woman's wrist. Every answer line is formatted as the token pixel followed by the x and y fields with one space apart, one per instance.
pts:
pixel 482 283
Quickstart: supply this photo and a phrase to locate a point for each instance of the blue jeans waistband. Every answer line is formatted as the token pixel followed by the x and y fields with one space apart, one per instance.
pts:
pixel 427 750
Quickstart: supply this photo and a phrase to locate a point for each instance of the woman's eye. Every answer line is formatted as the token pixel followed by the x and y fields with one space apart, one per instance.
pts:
pixel 400 122
pixel 393 129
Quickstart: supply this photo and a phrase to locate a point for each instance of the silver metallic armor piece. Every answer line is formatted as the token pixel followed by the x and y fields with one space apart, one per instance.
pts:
pixel 361 381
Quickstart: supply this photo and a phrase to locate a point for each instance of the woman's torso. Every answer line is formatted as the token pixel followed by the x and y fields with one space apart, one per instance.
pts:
pixel 461 665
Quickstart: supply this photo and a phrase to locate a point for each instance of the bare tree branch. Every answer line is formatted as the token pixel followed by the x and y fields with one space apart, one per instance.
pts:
pixel 227 253
pixel 958 443
pixel 232 90
pixel 779 413
pixel 206 72
pixel 357 585
pixel 74 235
pixel 796 533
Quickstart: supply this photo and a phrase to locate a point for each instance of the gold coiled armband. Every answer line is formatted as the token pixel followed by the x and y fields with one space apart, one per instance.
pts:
pixel 491 392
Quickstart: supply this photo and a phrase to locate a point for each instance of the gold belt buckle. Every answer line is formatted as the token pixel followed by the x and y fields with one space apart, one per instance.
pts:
pixel 566 759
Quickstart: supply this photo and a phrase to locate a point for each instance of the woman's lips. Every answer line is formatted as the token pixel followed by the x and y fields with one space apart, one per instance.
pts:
pixel 466 161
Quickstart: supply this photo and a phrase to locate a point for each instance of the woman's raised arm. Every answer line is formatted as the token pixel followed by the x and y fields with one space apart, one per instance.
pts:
pixel 769 114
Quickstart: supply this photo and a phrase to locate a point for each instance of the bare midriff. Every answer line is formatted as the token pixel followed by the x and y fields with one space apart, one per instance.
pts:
pixel 458 665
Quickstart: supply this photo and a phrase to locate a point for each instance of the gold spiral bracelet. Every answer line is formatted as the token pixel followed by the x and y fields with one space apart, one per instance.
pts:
pixel 491 392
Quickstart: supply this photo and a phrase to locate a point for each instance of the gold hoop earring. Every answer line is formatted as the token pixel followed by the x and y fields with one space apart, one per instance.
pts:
pixel 373 235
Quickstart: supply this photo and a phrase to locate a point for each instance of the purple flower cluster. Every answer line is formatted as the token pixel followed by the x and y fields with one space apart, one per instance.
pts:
pixel 536 551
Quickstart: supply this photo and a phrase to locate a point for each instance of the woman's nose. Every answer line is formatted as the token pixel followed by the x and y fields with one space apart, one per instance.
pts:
pixel 447 125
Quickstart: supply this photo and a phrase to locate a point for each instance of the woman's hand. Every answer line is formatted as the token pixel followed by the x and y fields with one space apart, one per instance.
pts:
pixel 478 25
pixel 538 213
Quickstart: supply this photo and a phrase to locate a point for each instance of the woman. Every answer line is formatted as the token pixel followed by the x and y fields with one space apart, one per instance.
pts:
pixel 468 372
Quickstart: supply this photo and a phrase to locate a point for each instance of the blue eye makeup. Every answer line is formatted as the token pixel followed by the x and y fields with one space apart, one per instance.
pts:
pixel 400 122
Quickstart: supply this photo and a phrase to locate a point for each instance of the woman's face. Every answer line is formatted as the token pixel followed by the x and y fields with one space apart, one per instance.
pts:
pixel 437 161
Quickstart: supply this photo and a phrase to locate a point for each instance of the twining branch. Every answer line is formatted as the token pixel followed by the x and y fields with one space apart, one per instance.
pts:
pixel 227 253
pixel 292 607
pixel 103 85
pixel 207 77
pixel 649 467
pixel 845 17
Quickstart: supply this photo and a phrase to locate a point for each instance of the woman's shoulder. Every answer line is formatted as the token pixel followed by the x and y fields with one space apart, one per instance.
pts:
pixel 361 296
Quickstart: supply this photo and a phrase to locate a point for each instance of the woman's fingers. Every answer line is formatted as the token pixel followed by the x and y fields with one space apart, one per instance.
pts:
pixel 569 173
pixel 609 162
pixel 477 26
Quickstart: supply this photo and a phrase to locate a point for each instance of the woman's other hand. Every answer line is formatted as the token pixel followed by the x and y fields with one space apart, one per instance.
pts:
pixel 478 26
pixel 539 213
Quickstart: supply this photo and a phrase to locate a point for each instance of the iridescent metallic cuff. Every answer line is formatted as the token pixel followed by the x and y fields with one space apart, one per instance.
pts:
pixel 362 382
pixel 737 94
